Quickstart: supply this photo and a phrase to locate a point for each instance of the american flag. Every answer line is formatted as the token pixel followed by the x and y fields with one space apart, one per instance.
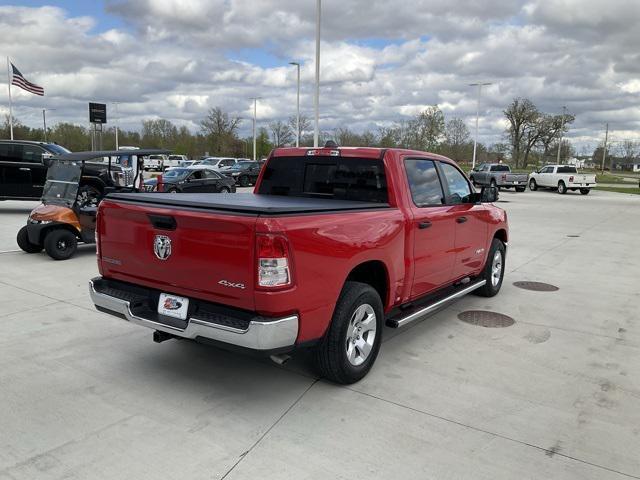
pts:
pixel 18 80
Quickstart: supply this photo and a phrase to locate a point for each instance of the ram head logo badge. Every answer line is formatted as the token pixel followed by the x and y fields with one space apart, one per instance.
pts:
pixel 162 247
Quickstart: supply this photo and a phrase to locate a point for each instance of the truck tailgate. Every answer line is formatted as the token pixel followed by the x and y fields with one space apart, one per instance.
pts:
pixel 211 257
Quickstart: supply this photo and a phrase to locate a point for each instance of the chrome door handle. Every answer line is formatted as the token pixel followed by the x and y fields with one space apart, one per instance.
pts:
pixel 24 169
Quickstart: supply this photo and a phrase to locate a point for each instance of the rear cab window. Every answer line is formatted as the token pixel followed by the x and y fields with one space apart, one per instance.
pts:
pixel 567 170
pixel 500 168
pixel 340 178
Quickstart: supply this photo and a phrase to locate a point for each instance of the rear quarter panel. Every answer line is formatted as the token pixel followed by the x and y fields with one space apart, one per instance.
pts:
pixel 325 249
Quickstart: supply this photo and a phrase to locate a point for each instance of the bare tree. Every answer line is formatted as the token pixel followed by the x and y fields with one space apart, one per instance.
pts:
pixel 305 125
pixel 221 129
pixel 282 133
pixel 456 138
pixel 522 115
pixel 628 150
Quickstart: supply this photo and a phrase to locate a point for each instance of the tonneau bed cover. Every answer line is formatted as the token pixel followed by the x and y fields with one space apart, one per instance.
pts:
pixel 246 202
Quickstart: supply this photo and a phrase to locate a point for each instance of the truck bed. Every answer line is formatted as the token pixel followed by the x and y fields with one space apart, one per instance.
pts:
pixel 247 203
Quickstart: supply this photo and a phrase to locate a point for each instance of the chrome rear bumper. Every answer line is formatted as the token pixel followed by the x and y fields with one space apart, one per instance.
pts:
pixel 260 334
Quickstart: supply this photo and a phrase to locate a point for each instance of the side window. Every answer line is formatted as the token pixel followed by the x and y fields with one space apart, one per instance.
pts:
pixel 197 175
pixel 209 174
pixel 459 189
pixel 424 182
pixel 10 152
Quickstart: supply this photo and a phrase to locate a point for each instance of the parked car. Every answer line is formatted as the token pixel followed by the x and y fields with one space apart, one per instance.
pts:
pixel 174 161
pixel 244 173
pixel 155 162
pixel 498 175
pixel 190 180
pixel 218 164
pixel 562 178
pixel 332 244
pixel 23 168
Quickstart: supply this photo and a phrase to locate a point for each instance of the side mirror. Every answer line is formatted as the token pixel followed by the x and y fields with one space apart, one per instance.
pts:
pixel 489 194
pixel 47 159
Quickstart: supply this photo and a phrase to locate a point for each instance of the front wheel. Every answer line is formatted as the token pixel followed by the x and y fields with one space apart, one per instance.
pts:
pixel 562 188
pixel 60 244
pixel 23 242
pixel 585 191
pixel 244 181
pixel 493 270
pixel 352 342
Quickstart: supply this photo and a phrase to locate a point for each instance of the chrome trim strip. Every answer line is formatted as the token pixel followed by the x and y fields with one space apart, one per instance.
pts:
pixel 270 335
pixel 434 306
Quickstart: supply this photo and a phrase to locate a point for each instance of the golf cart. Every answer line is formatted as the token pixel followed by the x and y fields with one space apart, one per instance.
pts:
pixel 67 214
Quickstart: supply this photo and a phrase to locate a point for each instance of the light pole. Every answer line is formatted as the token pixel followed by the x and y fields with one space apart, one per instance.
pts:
pixel 564 112
pixel 475 140
pixel 316 99
pixel 44 121
pixel 255 111
pixel 297 105
pixel 116 122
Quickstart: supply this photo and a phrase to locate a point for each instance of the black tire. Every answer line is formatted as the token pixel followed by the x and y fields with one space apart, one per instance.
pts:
pixel 23 242
pixel 562 188
pixel 491 289
pixel 225 190
pixel 244 181
pixel 533 186
pixel 89 196
pixel 60 244
pixel 172 190
pixel 585 191
pixel 331 358
pixel 520 189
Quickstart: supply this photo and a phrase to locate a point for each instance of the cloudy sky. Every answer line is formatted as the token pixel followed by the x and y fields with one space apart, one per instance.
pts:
pixel 381 60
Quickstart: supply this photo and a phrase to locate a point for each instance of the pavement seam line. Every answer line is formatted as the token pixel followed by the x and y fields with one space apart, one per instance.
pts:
pixel 246 453
pixel 498 435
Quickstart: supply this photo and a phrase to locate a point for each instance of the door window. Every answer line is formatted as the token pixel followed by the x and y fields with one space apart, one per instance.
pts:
pixel 197 175
pixel 424 182
pixel 10 152
pixel 459 189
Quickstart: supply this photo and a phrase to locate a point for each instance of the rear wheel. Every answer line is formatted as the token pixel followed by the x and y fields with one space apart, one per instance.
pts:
pixel 172 190
pixel 351 345
pixel 244 181
pixel 562 188
pixel 585 191
pixel 225 190
pixel 23 242
pixel 493 270
pixel 533 186
pixel 493 184
pixel 60 244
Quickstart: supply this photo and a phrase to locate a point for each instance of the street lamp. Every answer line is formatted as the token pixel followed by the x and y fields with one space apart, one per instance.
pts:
pixel 316 99
pixel 564 112
pixel 255 111
pixel 298 105
pixel 475 140
pixel 44 121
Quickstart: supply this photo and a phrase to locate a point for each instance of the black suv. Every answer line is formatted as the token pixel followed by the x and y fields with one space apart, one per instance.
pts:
pixel 23 170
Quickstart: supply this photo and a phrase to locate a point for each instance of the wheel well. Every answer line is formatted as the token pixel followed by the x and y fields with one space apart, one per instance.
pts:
pixel 57 226
pixel 373 273
pixel 501 235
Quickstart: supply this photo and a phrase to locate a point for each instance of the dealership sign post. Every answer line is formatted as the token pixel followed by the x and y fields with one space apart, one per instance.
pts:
pixel 97 117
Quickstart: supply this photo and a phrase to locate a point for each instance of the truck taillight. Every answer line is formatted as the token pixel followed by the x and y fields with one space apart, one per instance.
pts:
pixel 571 179
pixel 274 261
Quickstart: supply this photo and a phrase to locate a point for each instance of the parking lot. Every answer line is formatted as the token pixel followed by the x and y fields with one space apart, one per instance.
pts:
pixel 555 395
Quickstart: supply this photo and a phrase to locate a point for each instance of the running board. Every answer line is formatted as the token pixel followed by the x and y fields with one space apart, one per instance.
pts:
pixel 415 313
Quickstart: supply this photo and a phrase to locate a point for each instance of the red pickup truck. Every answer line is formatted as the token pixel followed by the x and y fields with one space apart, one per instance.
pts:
pixel 333 244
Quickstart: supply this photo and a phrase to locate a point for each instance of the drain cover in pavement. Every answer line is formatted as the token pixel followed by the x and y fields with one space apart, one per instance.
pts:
pixel 483 318
pixel 536 286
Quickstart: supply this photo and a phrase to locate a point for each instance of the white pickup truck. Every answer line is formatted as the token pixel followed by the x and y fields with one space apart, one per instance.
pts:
pixel 562 178
pixel 155 162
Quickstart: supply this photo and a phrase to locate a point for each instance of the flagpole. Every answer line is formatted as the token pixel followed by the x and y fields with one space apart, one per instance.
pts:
pixel 10 103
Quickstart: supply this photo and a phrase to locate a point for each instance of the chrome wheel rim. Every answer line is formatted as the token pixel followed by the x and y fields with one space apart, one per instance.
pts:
pixel 496 268
pixel 361 334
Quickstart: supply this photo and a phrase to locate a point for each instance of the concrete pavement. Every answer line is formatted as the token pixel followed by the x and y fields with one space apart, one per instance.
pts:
pixel 556 395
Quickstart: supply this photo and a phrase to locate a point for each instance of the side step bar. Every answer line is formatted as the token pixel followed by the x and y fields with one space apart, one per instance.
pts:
pixel 415 313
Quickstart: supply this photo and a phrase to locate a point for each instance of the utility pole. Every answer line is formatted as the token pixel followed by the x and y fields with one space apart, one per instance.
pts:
pixel 116 121
pixel 298 105
pixel 44 121
pixel 604 150
pixel 316 99
pixel 475 140
pixel 255 112
pixel 564 112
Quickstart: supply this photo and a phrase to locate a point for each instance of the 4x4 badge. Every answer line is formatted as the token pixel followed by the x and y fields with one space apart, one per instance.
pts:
pixel 162 247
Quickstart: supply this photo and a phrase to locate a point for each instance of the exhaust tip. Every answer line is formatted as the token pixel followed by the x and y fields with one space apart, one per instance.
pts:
pixel 280 359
